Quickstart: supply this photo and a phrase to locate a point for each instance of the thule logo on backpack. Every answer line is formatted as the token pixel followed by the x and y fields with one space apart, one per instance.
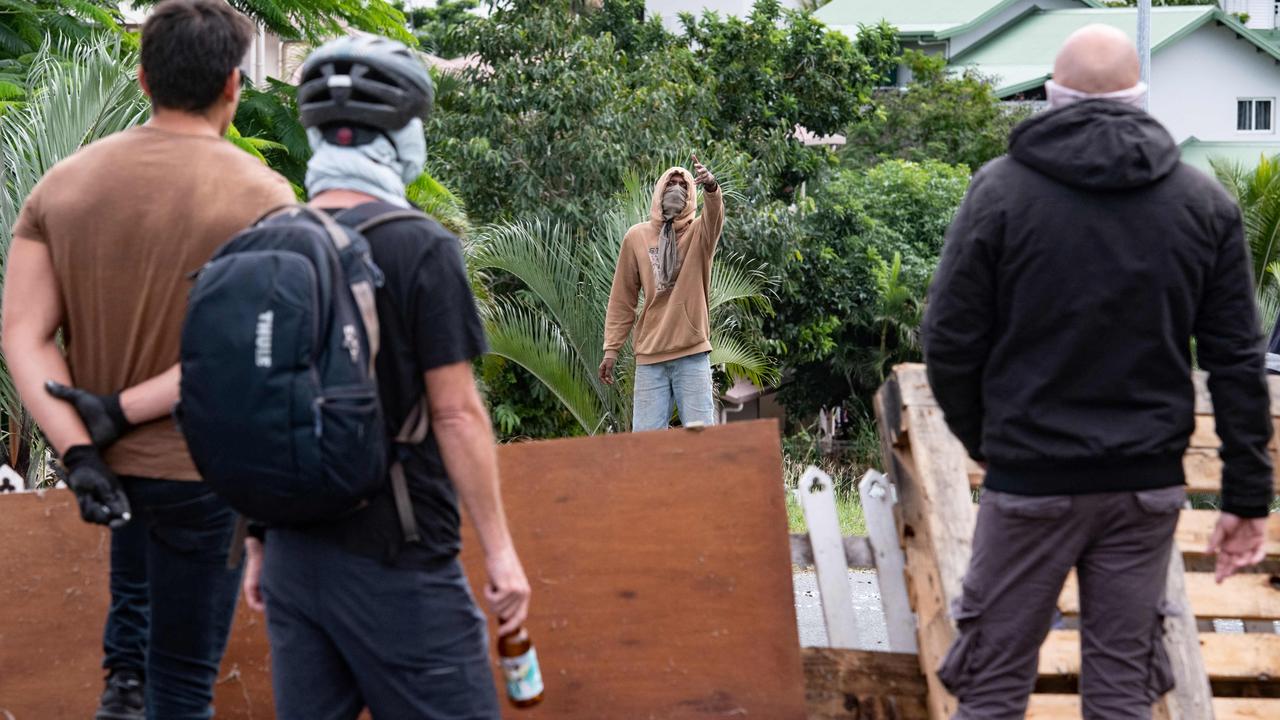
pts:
pixel 262 340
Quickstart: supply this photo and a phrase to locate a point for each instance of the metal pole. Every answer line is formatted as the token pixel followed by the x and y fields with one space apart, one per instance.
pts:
pixel 1144 45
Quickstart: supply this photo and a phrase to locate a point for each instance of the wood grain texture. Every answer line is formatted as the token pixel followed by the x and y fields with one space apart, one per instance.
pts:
pixel 1227 656
pixel 661 573
pixel 855 685
pixel 1067 707
pixel 936 517
pixel 659 561
pixel 1252 596
pixel 52 604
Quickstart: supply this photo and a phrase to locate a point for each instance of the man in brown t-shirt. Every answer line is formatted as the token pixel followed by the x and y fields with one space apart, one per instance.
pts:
pixel 101 253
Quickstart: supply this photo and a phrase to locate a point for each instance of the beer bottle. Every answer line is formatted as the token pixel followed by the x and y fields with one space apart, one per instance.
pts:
pixel 520 669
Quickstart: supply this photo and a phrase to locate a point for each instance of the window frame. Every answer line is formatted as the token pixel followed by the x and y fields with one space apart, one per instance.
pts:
pixel 1253 115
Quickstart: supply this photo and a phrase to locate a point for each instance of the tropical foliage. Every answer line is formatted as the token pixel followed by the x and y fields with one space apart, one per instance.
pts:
pixel 552 324
pixel 1257 190
pixel 956 119
pixel 855 276
pixel 315 20
pixel 76 94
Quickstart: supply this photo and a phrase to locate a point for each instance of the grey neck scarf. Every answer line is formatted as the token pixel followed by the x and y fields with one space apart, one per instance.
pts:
pixel 673 202
pixel 381 168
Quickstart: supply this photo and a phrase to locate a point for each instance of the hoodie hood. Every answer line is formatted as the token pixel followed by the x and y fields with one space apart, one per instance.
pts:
pixel 685 217
pixel 1096 145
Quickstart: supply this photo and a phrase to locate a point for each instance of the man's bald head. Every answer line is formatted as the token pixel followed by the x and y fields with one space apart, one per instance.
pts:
pixel 1097 59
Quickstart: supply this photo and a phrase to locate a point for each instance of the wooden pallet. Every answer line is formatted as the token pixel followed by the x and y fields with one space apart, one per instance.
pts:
pixel 1230 677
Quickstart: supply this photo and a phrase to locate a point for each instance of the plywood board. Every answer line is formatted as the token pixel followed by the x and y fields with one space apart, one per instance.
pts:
pixel 659 561
pixel 54 599
pixel 661 572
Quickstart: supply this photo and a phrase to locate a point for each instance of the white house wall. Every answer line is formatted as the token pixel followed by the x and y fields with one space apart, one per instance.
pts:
pixel 1195 84
pixel 960 43
pixel 1262 13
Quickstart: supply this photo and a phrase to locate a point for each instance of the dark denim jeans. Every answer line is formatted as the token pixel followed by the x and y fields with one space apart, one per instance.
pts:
pixel 172 596
pixel 349 632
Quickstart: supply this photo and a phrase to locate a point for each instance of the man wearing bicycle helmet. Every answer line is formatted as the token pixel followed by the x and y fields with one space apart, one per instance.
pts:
pixel 357 616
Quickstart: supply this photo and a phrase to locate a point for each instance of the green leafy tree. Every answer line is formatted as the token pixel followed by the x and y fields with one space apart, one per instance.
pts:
pixel 955 119
pixel 318 20
pixel 855 277
pixel 78 94
pixel 553 323
pixel 562 103
pixel 441 30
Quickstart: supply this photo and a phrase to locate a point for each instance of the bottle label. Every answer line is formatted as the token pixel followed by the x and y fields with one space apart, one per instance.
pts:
pixel 523 676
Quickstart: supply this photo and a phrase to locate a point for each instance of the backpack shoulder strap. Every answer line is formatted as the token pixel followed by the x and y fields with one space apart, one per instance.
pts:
pixel 389 217
pixel 412 432
pixel 273 212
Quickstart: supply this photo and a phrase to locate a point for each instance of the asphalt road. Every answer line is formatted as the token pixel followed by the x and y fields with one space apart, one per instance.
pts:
pixel 866 603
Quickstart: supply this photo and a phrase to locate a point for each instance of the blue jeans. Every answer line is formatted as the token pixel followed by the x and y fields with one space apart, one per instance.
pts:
pixel 172 595
pixel 685 381
pixel 349 632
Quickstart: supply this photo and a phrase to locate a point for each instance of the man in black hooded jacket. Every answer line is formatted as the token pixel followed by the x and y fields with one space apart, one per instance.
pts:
pixel 1058 341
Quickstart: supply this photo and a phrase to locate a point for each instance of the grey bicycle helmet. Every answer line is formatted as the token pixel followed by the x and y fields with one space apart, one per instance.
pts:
pixel 366 81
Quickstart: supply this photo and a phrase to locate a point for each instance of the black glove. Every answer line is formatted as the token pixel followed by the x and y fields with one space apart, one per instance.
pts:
pixel 102 415
pixel 102 500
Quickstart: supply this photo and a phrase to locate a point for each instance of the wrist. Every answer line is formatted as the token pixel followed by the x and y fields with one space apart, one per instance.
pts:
pixel 82 455
pixel 114 406
pixel 610 354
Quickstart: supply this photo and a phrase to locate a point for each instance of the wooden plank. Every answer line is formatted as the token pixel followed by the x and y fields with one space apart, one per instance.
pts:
pixel 1196 526
pixel 878 498
pixel 55 598
pixel 855 685
pixel 1244 597
pixel 857 551
pixel 936 518
pixel 1204 404
pixel 816 493
pixel 660 565
pixel 1226 656
pixel 1191 696
pixel 659 561
pixel 1067 707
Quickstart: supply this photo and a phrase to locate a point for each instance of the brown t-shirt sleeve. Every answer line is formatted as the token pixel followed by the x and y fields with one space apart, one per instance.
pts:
pixel 30 224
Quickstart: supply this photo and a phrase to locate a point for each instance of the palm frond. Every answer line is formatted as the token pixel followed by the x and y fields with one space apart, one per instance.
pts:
pixel 76 94
pixel 741 358
pixel 529 338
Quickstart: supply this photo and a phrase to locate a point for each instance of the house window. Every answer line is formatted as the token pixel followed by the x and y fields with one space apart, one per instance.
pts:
pixel 1254 114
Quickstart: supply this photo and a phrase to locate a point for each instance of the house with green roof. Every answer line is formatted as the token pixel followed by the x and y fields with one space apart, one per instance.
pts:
pixel 1214 81
pixel 945 27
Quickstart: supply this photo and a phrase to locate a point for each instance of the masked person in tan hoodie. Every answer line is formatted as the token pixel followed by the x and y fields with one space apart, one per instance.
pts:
pixel 669 258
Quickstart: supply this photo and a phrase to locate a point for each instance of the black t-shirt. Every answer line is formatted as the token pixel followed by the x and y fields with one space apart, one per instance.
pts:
pixel 428 319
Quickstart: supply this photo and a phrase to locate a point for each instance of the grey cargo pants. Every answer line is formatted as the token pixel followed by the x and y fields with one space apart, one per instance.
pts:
pixel 1023 548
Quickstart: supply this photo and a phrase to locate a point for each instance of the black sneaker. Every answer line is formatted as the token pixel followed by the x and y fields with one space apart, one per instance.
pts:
pixel 122 698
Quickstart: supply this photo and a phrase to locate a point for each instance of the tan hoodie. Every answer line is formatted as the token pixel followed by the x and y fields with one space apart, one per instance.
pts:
pixel 675 323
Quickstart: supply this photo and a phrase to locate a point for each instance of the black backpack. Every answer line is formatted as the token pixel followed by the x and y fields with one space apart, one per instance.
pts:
pixel 279 401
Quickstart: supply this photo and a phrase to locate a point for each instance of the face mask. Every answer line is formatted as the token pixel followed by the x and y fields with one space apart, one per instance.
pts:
pixel 1061 96
pixel 381 168
pixel 673 201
